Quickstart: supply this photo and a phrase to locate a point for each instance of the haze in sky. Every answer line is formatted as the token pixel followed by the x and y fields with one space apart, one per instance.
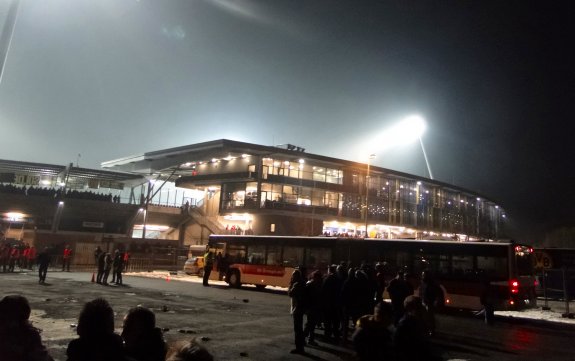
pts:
pixel 89 81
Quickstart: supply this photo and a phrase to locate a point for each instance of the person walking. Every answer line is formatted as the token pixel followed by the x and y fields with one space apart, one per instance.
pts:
pixel 101 266
pixel 31 257
pixel 297 293
pixel 66 258
pixel 14 257
pixel 208 265
pixel 398 290
pixel 331 303
pixel 487 299
pixel 432 296
pixel 43 263
pixel 4 256
pixel 118 267
pixel 411 339
pixel 108 262
pixel 314 309
pixel 97 253
pixel 126 262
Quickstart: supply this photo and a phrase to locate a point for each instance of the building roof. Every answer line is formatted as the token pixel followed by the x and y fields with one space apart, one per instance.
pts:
pixel 171 163
pixel 51 170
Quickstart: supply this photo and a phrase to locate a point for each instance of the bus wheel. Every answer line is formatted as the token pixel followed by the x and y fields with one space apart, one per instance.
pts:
pixel 260 287
pixel 234 279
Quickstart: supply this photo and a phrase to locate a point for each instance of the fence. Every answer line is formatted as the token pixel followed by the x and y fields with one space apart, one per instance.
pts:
pixel 557 285
pixel 154 258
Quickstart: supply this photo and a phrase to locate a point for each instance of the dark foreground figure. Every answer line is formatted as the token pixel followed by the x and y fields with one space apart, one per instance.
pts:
pixel 18 339
pixel 97 339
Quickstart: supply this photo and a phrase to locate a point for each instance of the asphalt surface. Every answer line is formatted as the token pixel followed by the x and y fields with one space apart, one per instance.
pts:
pixel 246 324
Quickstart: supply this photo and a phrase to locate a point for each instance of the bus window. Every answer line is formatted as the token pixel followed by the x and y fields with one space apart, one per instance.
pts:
pixel 273 256
pixel 494 268
pixel 236 254
pixel 318 258
pixel 443 265
pixel 524 264
pixel 293 256
pixel 438 264
pixel 256 254
pixel 462 265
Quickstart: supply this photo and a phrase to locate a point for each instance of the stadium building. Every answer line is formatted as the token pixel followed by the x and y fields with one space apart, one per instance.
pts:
pixel 179 196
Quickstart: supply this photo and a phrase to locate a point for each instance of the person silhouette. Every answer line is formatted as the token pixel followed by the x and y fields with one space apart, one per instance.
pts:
pixel 19 340
pixel 97 339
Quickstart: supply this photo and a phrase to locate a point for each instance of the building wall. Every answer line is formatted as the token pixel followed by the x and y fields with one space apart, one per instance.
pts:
pixel 286 225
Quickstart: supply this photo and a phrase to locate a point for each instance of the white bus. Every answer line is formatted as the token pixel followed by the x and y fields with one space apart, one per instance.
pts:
pixel 460 267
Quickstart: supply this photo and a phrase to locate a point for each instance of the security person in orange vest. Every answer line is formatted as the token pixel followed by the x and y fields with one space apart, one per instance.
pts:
pixel 66 258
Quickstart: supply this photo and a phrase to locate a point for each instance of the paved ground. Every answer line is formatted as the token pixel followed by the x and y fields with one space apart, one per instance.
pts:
pixel 234 324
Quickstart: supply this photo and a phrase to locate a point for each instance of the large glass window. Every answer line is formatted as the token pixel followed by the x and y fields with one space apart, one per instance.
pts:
pixel 273 256
pixel 331 199
pixel 318 258
pixel 256 254
pixel 236 253
pixel 334 176
pixel 293 256
pixel 462 265
pixel 319 174
pixel 493 267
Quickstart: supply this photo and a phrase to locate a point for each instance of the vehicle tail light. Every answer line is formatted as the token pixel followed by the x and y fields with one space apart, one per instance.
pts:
pixel 514 286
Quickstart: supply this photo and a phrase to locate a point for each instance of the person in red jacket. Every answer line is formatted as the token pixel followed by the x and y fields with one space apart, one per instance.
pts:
pixel 31 257
pixel 66 258
pixel 14 258
pixel 24 257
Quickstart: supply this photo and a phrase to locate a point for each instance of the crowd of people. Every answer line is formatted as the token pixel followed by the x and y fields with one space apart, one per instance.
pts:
pixel 17 255
pixel 108 263
pixel 140 339
pixel 348 304
pixel 56 193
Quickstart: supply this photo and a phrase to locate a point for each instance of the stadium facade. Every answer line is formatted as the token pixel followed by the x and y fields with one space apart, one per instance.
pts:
pixel 181 195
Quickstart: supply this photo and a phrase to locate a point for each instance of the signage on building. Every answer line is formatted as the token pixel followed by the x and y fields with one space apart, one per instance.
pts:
pixel 542 260
pixel 86 224
pixel 27 179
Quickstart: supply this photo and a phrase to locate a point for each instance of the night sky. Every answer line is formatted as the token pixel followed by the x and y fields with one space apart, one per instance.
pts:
pixel 90 81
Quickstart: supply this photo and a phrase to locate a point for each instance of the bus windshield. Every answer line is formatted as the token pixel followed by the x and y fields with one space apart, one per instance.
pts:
pixel 524 261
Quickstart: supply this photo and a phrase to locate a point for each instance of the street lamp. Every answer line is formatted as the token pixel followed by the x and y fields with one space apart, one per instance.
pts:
pixel 371 156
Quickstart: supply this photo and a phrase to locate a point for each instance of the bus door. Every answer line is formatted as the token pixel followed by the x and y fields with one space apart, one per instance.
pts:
pixel 219 251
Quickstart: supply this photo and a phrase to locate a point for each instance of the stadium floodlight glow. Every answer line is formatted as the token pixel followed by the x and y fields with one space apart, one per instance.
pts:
pixel 15 216
pixel 408 130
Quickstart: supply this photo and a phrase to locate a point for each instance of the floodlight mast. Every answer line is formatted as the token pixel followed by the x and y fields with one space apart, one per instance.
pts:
pixel 7 33
pixel 414 126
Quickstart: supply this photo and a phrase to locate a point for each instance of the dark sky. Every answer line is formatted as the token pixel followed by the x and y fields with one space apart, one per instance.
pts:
pixel 494 80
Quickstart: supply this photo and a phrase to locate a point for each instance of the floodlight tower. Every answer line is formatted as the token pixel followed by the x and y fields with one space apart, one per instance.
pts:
pixel 7 33
pixel 411 127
